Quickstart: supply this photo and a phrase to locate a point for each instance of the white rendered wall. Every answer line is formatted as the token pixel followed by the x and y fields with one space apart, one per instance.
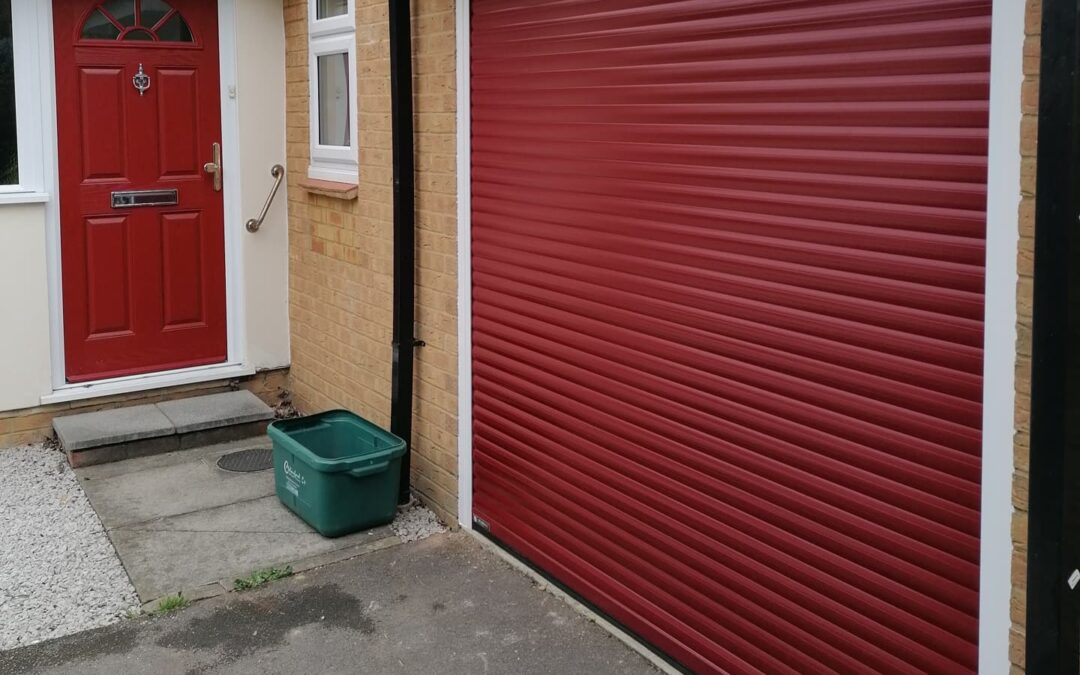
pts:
pixel 24 307
pixel 264 269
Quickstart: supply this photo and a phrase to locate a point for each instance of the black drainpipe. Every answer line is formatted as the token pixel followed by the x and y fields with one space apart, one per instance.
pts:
pixel 401 106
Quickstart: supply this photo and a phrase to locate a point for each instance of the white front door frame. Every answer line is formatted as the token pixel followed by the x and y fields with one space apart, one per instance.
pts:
pixel 1003 190
pixel 234 365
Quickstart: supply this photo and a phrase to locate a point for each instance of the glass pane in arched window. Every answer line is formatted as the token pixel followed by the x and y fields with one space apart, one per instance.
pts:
pixel 139 34
pixel 98 27
pixel 174 30
pixel 153 11
pixel 121 10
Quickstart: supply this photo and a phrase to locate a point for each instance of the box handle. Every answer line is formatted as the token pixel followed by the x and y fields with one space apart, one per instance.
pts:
pixel 368 470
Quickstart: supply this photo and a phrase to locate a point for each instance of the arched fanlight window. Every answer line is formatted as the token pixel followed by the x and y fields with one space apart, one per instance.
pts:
pixel 145 20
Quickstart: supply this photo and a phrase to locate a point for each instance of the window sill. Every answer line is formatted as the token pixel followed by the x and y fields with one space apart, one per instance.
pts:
pixel 327 188
pixel 23 198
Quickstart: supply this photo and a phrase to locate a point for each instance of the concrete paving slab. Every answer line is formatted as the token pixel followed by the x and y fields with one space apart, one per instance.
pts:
pixel 184 552
pixel 179 523
pixel 216 410
pixel 443 605
pixel 110 427
pixel 162 492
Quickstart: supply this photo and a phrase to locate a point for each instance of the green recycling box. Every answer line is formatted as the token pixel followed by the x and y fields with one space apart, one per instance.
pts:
pixel 337 471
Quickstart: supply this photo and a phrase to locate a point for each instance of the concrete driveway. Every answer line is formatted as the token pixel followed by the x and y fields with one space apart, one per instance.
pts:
pixel 443 605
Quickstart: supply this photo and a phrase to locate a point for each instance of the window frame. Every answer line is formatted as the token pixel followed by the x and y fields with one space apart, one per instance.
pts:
pixel 31 90
pixel 346 23
pixel 336 35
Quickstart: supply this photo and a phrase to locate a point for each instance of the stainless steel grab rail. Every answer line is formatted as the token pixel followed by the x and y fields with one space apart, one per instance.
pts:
pixel 278 172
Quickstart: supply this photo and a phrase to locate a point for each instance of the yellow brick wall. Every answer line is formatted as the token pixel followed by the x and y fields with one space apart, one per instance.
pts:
pixel 1025 256
pixel 341 252
pixel 31 425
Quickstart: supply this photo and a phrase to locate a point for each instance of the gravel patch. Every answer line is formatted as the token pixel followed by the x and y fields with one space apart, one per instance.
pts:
pixel 415 522
pixel 59 573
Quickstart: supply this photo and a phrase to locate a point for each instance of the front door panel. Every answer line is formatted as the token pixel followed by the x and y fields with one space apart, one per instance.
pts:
pixel 138 109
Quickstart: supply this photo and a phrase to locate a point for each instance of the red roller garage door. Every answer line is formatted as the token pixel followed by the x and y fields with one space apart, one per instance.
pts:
pixel 727 346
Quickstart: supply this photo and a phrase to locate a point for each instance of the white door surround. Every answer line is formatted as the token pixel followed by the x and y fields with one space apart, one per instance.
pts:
pixel 236 363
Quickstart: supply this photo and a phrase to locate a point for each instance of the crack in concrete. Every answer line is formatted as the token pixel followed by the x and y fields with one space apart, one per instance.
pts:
pixel 181 531
pixel 127 526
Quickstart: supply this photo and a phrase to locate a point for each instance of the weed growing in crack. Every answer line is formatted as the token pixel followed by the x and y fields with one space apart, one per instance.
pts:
pixel 260 577
pixel 171 603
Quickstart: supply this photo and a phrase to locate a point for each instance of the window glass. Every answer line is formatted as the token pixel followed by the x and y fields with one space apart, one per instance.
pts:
pixel 325 9
pixel 334 100
pixel 332 59
pixel 97 27
pixel 139 34
pixel 121 10
pixel 116 20
pixel 152 11
pixel 9 158
pixel 175 30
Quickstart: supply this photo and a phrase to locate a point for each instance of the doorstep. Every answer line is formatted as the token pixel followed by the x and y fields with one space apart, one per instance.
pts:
pixel 138 431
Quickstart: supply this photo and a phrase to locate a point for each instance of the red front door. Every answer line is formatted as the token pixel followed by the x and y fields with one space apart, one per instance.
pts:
pixel 141 220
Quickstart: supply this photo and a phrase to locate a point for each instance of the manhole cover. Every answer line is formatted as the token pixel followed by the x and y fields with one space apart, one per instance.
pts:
pixel 246 461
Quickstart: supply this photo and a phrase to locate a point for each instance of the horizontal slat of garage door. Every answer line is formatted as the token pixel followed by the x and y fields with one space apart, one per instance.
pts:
pixel 728 276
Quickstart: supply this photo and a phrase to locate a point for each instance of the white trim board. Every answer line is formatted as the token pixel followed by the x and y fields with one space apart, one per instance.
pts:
pixel 464 270
pixel 233 216
pixel 146 382
pixel 999 346
pixel 233 212
pixel 52 207
pixel 23 197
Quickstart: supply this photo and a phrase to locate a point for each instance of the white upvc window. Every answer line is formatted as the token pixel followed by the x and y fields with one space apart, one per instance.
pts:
pixel 332 78
pixel 22 102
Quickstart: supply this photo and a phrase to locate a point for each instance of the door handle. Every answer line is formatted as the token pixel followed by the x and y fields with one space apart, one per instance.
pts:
pixel 213 167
